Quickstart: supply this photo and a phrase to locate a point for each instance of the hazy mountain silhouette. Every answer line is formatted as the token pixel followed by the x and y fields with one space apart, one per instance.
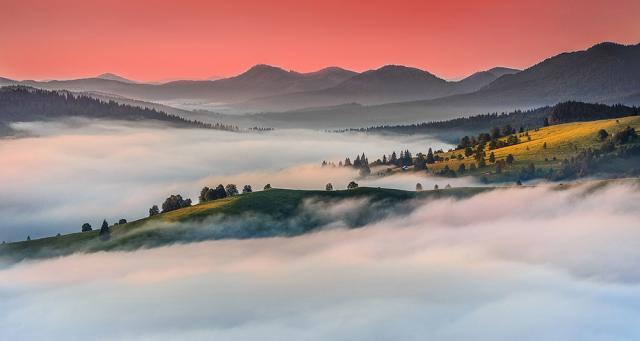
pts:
pixel 114 77
pixel 390 83
pixel 606 72
pixel 260 80
pixel 335 97
pixel 481 79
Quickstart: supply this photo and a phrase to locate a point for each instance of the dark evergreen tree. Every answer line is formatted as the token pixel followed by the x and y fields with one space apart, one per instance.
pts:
pixel 510 159
pixel 462 168
pixel 247 189
pixel 104 230
pixel 430 159
pixel 393 159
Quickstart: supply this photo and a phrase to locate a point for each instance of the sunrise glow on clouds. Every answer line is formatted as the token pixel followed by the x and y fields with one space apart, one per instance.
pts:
pixel 153 40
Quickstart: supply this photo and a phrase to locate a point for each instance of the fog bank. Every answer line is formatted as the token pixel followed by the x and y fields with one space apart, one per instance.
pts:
pixel 526 263
pixel 88 171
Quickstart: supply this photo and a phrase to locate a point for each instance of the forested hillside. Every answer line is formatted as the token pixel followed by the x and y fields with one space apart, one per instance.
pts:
pixel 25 104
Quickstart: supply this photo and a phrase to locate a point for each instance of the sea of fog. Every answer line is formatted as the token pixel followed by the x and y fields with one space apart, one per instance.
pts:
pixel 510 264
pixel 75 172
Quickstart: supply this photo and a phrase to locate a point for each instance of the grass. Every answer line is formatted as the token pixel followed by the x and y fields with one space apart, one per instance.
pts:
pixel 251 215
pixel 562 142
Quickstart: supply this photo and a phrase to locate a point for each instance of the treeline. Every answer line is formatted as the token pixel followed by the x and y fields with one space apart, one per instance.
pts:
pixel 23 104
pixel 528 118
pixel 572 111
pixel 360 163
pixel 493 139
pixel 564 112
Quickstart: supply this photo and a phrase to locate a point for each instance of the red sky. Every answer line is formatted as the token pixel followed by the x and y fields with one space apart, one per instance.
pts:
pixel 154 40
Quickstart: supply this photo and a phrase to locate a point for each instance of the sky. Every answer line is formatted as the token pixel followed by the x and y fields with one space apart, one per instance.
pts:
pixel 163 40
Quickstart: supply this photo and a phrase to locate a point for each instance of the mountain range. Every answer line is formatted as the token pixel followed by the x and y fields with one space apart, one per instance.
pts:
pixel 335 97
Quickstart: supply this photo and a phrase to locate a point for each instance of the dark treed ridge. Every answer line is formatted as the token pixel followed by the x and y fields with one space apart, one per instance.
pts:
pixel 25 104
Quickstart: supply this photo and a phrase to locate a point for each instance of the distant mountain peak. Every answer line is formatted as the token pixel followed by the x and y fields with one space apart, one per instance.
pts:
pixel 397 67
pixel 114 77
pixel 605 45
pixel 499 71
pixel 265 68
pixel 264 72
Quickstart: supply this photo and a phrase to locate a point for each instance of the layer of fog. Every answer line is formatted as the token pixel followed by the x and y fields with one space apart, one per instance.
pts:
pixel 532 264
pixel 69 175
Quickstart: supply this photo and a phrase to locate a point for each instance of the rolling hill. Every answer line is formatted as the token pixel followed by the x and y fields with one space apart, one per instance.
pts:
pixel 275 212
pixel 25 104
pixel 547 148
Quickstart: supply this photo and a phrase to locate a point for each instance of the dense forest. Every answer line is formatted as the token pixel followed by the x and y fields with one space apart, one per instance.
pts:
pixel 26 104
pixel 565 112
pixel 572 111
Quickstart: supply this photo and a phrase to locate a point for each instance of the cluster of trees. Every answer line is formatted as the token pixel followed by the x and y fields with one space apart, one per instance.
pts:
pixel 492 139
pixel 104 229
pixel 172 203
pixel 573 111
pixel 625 136
pixel 175 202
pixel 256 128
pixel 621 144
pixel 361 163
pixel 208 194
pixel 21 103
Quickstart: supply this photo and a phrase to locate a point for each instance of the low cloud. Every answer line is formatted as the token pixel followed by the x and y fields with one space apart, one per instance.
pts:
pixel 87 171
pixel 532 263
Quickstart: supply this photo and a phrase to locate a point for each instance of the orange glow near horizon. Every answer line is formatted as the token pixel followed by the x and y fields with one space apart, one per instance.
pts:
pixel 158 40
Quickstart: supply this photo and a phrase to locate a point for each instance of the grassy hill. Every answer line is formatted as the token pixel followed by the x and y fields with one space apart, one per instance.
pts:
pixel 546 147
pixel 276 212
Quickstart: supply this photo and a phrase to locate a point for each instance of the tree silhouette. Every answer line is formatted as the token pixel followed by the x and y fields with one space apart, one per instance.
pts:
pixel 104 233
pixel 154 210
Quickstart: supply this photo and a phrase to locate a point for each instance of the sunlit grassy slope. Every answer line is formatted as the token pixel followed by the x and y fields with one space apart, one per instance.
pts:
pixel 562 142
pixel 276 212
